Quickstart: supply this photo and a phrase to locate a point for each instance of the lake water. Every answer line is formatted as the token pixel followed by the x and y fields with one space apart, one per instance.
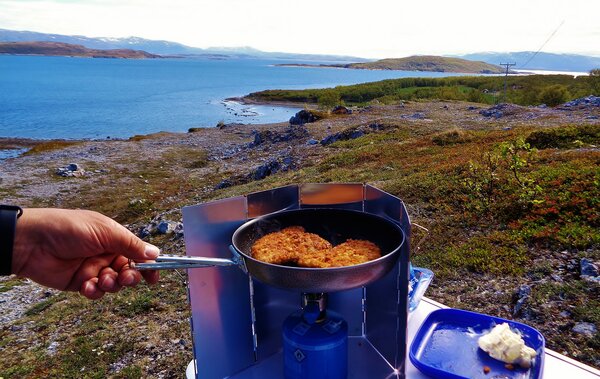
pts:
pixel 62 97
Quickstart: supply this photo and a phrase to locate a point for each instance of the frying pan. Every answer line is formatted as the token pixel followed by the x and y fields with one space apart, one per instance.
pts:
pixel 334 225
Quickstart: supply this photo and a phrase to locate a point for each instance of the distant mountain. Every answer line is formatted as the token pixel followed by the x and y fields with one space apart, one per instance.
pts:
pixel 252 52
pixel 163 47
pixel 430 63
pixel 542 61
pixel 68 49
pixel 135 43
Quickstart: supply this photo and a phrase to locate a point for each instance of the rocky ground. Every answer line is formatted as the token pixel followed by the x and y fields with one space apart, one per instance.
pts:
pixel 144 181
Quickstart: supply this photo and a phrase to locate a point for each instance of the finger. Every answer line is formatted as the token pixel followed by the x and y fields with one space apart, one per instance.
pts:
pixel 90 289
pixel 151 276
pixel 119 240
pixel 90 268
pixel 129 277
pixel 108 280
pixel 121 263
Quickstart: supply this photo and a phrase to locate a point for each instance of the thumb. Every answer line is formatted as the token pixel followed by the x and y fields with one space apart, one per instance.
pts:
pixel 122 241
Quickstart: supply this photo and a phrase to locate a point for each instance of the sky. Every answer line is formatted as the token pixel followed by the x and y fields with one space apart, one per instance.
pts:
pixel 369 29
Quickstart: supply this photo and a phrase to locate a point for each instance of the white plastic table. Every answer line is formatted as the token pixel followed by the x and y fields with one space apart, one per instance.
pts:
pixel 556 366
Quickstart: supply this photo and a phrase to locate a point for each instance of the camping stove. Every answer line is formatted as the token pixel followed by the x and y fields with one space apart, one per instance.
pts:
pixel 315 342
pixel 242 328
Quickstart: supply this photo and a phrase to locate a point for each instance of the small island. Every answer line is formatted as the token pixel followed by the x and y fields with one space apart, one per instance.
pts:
pixel 417 63
pixel 70 50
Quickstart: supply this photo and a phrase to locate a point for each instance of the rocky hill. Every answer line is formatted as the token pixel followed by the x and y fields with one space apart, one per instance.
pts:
pixel 418 63
pixel 430 63
pixel 71 50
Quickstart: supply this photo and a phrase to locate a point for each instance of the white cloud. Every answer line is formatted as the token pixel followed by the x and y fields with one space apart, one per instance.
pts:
pixel 377 28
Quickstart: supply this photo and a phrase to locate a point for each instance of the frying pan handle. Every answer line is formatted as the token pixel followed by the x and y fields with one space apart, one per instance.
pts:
pixel 417 246
pixel 168 262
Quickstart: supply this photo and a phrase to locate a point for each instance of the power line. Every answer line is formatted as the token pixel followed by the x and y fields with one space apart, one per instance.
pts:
pixel 544 44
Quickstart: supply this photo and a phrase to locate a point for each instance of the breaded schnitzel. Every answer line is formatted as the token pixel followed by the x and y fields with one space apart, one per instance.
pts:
pixel 284 247
pixel 349 253
pixel 293 246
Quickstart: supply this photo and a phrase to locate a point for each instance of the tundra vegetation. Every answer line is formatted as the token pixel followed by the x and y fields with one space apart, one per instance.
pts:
pixel 510 202
pixel 523 90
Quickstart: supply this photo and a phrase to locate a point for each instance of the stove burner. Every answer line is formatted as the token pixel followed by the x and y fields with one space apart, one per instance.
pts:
pixel 315 341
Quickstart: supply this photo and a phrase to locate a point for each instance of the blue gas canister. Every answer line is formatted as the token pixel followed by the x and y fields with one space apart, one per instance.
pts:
pixel 315 348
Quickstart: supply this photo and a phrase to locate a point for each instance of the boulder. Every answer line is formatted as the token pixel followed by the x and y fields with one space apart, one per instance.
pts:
pixel 522 296
pixel 303 117
pixel 418 116
pixel 165 227
pixel 178 229
pixel 586 328
pixel 588 267
pixel 224 184
pixel 273 166
pixel 340 109
pixel 500 110
pixel 344 135
pixel 583 102
pixel 291 133
pixel 491 112
pixel 146 231
pixel 589 270
pixel 377 126
pixel 70 170
pixel 266 169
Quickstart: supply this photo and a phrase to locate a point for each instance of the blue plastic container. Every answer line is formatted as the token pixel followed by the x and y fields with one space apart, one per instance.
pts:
pixel 315 350
pixel 445 346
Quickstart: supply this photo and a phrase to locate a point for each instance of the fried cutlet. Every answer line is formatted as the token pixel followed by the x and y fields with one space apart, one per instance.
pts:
pixel 284 247
pixel 293 246
pixel 349 253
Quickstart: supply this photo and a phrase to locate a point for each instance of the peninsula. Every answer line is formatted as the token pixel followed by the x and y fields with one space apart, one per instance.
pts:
pixel 69 50
pixel 417 63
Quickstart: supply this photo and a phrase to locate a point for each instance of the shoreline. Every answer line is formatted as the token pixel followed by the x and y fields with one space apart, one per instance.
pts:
pixel 244 100
pixel 18 143
pixel 10 143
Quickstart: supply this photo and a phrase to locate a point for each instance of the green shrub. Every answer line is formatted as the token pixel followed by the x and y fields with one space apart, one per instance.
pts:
pixel 554 95
pixel 329 99
pixel 564 137
pixel 451 137
pixel 499 184
pixel 524 90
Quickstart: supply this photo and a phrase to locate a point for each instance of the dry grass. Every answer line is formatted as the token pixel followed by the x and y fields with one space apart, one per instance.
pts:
pixel 50 146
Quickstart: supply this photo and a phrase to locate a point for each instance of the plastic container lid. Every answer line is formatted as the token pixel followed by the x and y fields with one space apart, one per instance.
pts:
pixel 445 346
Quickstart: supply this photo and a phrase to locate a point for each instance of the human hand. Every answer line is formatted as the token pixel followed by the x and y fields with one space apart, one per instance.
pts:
pixel 77 250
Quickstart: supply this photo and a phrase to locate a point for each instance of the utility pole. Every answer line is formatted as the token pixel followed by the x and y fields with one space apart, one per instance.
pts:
pixel 506 77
